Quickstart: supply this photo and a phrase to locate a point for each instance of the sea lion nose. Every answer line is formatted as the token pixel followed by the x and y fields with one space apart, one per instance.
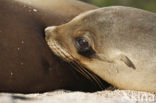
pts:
pixel 49 30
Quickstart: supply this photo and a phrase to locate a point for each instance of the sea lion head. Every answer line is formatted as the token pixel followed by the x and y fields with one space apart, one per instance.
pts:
pixel 104 41
pixel 76 39
pixel 83 38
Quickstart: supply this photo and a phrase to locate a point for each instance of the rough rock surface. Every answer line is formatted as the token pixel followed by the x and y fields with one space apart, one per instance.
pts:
pixel 62 96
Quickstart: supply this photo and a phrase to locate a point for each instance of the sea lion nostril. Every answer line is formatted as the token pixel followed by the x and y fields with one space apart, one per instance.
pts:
pixel 46 31
pixel 49 29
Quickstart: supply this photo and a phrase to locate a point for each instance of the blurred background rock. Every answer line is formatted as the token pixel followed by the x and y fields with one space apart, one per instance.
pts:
pixel 149 5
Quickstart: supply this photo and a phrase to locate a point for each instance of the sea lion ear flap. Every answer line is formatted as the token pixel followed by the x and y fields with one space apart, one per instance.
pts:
pixel 127 61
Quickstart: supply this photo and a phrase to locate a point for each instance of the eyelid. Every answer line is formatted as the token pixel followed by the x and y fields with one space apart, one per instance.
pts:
pixel 89 34
pixel 91 39
pixel 87 38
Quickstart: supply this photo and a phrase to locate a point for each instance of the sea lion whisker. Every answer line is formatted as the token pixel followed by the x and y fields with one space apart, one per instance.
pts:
pixel 93 76
pixel 83 72
pixel 87 75
pixel 55 48
pixel 63 55
pixel 77 66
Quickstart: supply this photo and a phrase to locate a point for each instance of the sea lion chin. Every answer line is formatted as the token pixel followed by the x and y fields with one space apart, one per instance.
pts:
pixel 116 43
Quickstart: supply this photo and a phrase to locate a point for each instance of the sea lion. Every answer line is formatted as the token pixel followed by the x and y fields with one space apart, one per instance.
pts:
pixel 26 62
pixel 116 43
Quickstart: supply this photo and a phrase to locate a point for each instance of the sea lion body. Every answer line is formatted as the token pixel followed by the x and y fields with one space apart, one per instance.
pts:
pixel 116 43
pixel 26 62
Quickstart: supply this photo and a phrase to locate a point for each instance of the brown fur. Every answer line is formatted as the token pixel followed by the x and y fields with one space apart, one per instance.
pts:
pixel 26 62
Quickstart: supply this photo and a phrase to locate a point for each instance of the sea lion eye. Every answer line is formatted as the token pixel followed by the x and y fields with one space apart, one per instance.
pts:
pixel 82 44
pixel 84 48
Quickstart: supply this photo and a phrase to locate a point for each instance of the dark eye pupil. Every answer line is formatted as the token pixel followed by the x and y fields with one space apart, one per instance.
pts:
pixel 83 47
pixel 82 44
